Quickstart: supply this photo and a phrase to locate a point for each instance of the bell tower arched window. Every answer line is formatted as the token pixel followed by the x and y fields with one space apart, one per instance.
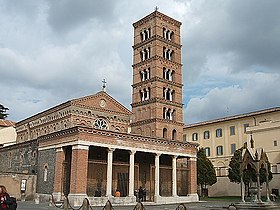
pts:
pixel 174 134
pixel 164 133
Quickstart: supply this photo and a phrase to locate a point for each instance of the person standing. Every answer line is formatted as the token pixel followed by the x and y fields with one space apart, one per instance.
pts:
pixel 4 198
pixel 140 194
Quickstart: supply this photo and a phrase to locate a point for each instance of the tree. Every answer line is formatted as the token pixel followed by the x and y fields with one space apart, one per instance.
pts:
pixel 3 113
pixel 205 171
pixel 248 175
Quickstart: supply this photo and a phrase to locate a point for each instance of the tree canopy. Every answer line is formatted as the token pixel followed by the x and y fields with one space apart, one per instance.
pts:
pixel 205 170
pixel 3 111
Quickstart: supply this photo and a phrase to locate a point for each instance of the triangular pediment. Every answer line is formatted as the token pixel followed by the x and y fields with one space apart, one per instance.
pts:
pixel 101 101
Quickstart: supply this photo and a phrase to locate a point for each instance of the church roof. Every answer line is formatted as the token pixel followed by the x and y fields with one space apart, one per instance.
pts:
pixel 87 102
pixel 264 111
pixel 102 100
pixel 7 123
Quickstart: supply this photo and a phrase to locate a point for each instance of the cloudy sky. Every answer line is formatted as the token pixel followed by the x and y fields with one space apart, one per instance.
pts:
pixel 53 51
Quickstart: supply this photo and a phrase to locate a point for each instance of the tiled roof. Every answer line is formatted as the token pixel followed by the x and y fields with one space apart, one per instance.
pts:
pixel 7 123
pixel 264 111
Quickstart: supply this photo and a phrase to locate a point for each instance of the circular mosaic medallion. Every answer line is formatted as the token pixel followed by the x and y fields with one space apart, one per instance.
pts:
pixel 102 103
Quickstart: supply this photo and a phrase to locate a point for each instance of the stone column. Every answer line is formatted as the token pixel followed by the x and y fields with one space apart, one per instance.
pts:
pixel 109 172
pixel 174 176
pixel 192 177
pixel 143 36
pixel 60 157
pixel 143 55
pixel 170 75
pixel 157 175
pixel 148 33
pixel 267 186
pixel 148 74
pixel 169 35
pixel 148 94
pixel 259 187
pixel 165 73
pixel 78 178
pixel 131 173
pixel 164 34
pixel 169 55
pixel 242 188
pixel 165 53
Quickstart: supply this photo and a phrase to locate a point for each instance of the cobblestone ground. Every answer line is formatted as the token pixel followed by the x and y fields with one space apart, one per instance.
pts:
pixel 214 205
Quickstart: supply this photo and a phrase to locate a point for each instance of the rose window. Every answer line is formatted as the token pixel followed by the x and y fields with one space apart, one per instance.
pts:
pixel 101 124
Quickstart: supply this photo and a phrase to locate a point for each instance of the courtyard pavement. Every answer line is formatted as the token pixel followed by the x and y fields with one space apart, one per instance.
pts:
pixel 214 205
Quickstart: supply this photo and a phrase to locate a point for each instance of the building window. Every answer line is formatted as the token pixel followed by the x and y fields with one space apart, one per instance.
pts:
pixel 101 124
pixel 233 148
pixel 10 160
pixel 232 130
pixel 45 173
pixel 164 133
pixel 275 143
pixel 184 137
pixel 168 74
pixel 145 94
pixel 206 135
pixel 168 114
pixel 219 132
pixel 207 151
pixel 219 150
pixel 145 54
pixel 174 133
pixel 145 74
pixel 167 53
pixel 167 34
pixel 195 136
pixel 145 34
pixel 218 172
pixel 246 125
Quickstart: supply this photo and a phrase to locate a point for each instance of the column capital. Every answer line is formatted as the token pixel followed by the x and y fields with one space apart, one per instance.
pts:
pixel 158 154
pixel 80 147
pixel 132 152
pixel 193 159
pixel 174 156
pixel 110 150
pixel 59 149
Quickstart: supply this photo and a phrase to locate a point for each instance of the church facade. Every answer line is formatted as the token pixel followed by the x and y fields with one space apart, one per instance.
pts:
pixel 92 146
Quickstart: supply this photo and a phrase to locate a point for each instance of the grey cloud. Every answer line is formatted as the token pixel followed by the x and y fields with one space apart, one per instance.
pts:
pixel 257 93
pixel 247 29
pixel 67 14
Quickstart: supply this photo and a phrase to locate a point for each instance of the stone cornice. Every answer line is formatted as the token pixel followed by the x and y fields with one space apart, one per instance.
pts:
pixel 156 14
pixel 44 113
pixel 143 122
pixel 101 109
pixel 59 134
pixel 156 57
pixel 153 79
pixel 156 37
pixel 19 145
pixel 112 134
pixel 157 100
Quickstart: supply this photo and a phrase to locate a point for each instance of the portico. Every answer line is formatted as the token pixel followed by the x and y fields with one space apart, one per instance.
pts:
pixel 146 162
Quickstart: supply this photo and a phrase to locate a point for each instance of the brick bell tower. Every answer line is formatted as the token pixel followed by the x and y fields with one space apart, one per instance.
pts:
pixel 157 78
